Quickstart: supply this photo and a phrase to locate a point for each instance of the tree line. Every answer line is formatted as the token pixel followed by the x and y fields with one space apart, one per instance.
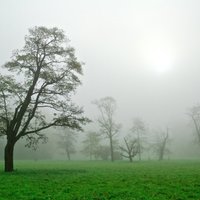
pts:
pixel 133 144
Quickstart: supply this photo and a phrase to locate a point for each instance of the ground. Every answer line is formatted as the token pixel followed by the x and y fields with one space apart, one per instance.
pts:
pixel 62 180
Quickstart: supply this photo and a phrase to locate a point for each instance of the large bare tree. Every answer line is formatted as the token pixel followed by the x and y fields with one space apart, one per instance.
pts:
pixel 48 74
pixel 108 126
pixel 130 149
pixel 161 145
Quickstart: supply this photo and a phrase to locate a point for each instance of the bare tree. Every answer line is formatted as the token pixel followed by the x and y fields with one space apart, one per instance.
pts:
pixel 91 144
pixel 67 142
pixel 108 126
pixel 160 146
pixel 49 73
pixel 194 113
pixel 139 129
pixel 130 149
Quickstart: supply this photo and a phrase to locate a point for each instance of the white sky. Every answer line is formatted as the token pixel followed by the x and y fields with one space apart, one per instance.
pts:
pixel 144 53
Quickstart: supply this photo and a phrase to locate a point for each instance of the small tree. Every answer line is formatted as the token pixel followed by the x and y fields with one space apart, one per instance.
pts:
pixel 160 147
pixel 139 129
pixel 194 114
pixel 49 74
pixel 91 144
pixel 67 142
pixel 130 149
pixel 108 126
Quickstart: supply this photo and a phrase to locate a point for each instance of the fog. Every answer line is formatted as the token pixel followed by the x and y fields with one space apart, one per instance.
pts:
pixel 144 54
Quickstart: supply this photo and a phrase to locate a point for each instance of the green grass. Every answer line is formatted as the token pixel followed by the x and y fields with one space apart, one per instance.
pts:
pixel 60 180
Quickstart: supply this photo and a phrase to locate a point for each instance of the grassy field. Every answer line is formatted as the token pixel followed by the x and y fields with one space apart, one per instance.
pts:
pixel 61 180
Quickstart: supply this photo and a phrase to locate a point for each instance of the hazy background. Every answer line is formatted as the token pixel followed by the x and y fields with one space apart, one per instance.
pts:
pixel 143 53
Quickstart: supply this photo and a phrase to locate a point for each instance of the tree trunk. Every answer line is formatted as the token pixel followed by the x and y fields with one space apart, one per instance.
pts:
pixel 111 149
pixel 8 156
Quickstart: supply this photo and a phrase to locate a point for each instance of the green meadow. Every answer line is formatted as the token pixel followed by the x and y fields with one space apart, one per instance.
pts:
pixel 62 180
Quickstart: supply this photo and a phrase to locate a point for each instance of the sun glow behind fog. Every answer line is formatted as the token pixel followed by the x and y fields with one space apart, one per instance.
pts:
pixel 158 57
pixel 161 62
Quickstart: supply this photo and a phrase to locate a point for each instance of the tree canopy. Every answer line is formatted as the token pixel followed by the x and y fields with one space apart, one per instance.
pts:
pixel 43 76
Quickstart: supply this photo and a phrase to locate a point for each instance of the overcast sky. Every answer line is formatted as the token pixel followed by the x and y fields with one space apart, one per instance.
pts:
pixel 144 53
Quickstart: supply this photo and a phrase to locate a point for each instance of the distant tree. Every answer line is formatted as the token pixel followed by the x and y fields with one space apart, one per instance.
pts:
pixel 139 129
pixel 108 126
pixel 103 152
pixel 43 151
pixel 117 153
pixel 49 73
pixel 130 149
pixel 161 145
pixel 194 114
pixel 67 139
pixel 91 144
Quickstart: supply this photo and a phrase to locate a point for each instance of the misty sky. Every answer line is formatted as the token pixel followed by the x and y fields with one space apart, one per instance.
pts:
pixel 144 53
